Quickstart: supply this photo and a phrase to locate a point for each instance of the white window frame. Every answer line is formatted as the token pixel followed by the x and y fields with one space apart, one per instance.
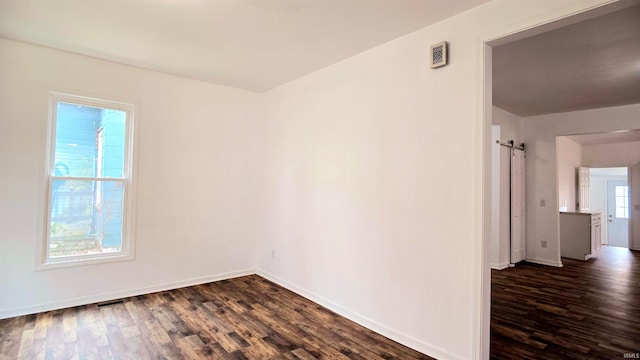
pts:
pixel 625 201
pixel 44 261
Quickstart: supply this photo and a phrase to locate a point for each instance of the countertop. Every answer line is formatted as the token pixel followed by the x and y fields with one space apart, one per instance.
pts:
pixel 581 212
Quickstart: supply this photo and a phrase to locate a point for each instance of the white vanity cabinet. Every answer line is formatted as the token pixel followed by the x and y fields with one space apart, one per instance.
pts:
pixel 596 233
pixel 579 234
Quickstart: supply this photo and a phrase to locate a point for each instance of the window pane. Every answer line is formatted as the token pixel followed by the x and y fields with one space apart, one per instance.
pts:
pixel 622 202
pixel 86 217
pixel 89 141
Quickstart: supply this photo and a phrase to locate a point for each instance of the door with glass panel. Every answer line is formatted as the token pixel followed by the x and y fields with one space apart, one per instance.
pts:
pixel 618 213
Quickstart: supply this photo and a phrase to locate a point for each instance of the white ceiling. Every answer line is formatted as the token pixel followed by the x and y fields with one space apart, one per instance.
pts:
pixel 607 138
pixel 589 64
pixel 250 44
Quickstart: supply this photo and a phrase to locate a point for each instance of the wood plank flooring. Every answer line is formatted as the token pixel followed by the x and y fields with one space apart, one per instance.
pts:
pixel 242 318
pixel 584 310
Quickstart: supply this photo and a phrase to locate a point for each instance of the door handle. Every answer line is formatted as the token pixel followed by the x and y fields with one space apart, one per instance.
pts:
pixel 610 220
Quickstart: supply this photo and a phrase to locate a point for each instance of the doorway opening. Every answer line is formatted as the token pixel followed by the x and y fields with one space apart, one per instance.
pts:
pixel 610 193
pixel 539 122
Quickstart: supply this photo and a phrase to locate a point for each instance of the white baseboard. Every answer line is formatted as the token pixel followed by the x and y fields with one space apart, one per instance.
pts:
pixel 84 300
pixel 544 262
pixel 499 266
pixel 362 320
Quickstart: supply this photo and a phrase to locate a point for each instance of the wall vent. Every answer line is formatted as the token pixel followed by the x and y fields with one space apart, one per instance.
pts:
pixel 438 56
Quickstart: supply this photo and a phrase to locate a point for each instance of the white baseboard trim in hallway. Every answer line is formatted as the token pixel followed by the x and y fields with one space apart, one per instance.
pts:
pixel 499 266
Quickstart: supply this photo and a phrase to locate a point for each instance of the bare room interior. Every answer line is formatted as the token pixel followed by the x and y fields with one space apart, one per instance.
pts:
pixel 312 179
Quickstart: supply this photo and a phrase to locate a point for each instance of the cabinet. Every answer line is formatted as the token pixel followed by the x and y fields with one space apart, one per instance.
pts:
pixel 596 233
pixel 579 234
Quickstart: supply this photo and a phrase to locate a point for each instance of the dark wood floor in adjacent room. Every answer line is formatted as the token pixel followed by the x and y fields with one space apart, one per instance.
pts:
pixel 242 318
pixel 584 310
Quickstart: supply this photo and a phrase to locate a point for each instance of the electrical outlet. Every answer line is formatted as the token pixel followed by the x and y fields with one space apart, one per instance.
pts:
pixel 543 202
pixel 273 254
pixel 543 243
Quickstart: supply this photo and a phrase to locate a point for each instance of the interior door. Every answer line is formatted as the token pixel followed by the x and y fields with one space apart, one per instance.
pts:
pixel 583 189
pixel 518 245
pixel 618 213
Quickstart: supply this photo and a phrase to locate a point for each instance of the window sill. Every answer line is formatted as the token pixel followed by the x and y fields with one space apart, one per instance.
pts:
pixel 83 261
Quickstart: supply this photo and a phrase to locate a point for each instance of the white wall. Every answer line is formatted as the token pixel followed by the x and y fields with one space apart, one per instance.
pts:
pixel 540 134
pixel 500 204
pixel 504 216
pixel 495 197
pixel 198 166
pixel 509 127
pixel 569 157
pixel 372 188
pixel 610 155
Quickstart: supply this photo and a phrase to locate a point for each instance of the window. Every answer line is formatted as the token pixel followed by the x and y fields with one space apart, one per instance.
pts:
pixel 88 181
pixel 622 202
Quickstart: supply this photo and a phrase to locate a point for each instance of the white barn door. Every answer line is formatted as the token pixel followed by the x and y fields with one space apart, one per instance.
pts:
pixel 518 245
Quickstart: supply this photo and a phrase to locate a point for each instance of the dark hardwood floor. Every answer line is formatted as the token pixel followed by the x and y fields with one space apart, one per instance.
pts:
pixel 584 310
pixel 242 318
